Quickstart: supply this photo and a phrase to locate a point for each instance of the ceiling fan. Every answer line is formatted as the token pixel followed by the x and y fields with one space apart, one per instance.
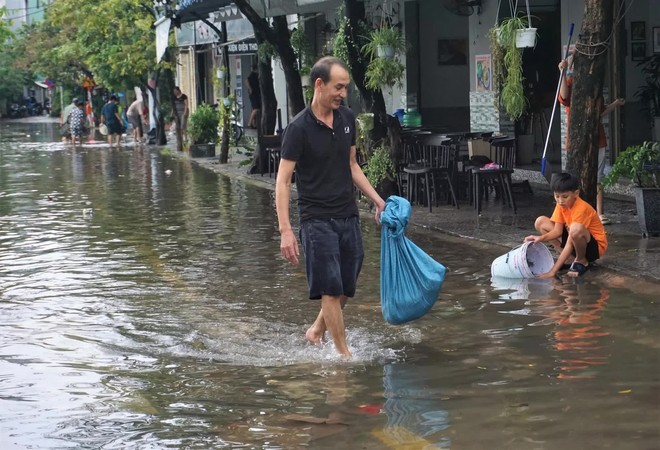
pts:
pixel 463 7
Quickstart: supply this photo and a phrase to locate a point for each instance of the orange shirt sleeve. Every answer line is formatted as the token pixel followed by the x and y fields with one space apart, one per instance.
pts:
pixel 557 215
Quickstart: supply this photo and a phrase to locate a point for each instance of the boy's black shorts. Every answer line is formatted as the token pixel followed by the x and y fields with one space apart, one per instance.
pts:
pixel 592 253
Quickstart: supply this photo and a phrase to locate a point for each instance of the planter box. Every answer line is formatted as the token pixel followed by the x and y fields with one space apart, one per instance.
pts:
pixel 648 210
pixel 202 150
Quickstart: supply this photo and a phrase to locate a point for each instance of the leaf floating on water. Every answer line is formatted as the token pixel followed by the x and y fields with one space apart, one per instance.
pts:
pixel 625 391
pixel 332 419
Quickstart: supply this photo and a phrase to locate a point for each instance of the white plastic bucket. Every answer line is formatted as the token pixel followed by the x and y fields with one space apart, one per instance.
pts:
pixel 524 261
pixel 525 37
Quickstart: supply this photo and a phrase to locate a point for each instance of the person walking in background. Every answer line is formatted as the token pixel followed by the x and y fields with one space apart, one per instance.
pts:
pixel 565 92
pixel 65 125
pixel 254 92
pixel 136 114
pixel 77 122
pixel 111 118
pixel 319 144
pixel 182 109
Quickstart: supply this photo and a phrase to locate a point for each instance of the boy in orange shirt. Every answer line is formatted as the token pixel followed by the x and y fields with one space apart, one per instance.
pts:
pixel 574 229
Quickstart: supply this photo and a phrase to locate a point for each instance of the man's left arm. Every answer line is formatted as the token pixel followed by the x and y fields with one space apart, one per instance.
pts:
pixel 361 182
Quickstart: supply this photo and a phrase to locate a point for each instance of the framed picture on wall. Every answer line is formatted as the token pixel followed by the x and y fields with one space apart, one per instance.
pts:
pixel 483 72
pixel 637 31
pixel 656 39
pixel 638 50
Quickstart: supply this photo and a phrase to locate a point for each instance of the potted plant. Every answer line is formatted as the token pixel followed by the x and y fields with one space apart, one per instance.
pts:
pixel 379 170
pixel 526 35
pixel 384 46
pixel 203 131
pixel 649 92
pixel 511 95
pixel 385 42
pixel 641 165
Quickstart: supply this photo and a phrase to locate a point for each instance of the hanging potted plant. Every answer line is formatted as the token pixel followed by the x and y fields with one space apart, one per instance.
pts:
pixel 511 95
pixel 385 42
pixel 384 46
pixel 641 165
pixel 203 131
pixel 525 34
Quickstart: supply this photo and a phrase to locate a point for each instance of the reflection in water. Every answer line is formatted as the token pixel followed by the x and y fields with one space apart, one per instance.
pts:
pixel 415 417
pixel 569 308
pixel 577 335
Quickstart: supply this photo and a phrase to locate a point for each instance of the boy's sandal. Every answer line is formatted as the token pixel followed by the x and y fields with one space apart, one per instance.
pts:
pixel 577 270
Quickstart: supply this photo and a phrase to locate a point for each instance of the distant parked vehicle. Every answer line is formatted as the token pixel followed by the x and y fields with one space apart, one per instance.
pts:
pixel 34 108
pixel 16 111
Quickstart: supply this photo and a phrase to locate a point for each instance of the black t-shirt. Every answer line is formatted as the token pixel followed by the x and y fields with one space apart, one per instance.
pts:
pixel 323 172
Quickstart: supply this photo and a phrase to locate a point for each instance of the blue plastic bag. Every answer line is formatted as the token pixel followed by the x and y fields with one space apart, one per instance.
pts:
pixel 410 280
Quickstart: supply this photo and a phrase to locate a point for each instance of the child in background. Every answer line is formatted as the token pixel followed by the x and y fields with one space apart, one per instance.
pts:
pixel 565 99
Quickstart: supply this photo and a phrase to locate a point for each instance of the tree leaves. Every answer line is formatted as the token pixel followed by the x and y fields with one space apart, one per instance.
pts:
pixel 111 40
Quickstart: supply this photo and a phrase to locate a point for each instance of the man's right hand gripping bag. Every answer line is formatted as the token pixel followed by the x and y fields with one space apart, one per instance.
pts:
pixel 410 280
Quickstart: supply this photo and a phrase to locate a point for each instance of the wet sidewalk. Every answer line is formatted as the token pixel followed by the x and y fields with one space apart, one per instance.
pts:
pixel 628 253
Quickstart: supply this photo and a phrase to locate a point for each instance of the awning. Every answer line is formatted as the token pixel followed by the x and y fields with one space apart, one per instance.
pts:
pixel 191 10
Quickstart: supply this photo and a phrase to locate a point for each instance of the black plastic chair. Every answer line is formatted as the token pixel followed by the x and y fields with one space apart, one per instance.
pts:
pixel 442 152
pixel 504 155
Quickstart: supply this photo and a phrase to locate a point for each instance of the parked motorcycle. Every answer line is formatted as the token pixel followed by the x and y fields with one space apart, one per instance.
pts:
pixel 34 108
pixel 17 111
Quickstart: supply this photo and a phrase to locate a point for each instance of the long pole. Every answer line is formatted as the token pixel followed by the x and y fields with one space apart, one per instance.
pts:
pixel 545 166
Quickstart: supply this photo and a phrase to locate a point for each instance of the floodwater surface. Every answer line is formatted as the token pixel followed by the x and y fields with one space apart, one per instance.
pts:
pixel 144 305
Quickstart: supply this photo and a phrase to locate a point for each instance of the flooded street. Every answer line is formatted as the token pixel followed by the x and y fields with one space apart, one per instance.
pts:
pixel 144 305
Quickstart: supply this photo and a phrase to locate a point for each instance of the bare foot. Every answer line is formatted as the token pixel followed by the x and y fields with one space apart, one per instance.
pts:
pixel 313 336
pixel 346 356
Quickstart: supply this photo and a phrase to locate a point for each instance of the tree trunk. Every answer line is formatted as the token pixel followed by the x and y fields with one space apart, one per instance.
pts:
pixel 289 65
pixel 268 117
pixel 225 134
pixel 226 91
pixel 168 75
pixel 373 101
pixel 279 37
pixel 161 137
pixel 589 69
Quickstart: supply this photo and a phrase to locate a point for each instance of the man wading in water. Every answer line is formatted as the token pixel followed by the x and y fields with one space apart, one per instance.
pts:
pixel 319 144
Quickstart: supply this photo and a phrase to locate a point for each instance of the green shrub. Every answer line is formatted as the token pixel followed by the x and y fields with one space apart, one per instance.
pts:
pixel 203 125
